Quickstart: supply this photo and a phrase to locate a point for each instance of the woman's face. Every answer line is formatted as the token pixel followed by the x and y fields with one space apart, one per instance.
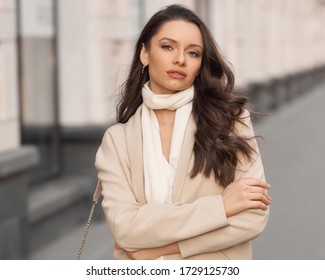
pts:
pixel 174 56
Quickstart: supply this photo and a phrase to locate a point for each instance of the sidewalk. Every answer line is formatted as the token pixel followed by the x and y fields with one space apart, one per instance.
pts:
pixel 293 157
pixel 99 245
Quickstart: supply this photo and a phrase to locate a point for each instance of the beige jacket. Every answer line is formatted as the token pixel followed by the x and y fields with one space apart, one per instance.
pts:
pixel 196 219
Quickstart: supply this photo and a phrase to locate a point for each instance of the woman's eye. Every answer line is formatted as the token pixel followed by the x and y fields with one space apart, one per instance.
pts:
pixel 167 47
pixel 194 54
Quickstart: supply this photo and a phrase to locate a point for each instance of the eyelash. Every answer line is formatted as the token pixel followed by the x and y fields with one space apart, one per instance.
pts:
pixel 170 48
pixel 194 54
pixel 167 47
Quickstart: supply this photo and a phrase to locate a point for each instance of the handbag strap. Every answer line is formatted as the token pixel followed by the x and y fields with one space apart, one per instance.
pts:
pixel 96 196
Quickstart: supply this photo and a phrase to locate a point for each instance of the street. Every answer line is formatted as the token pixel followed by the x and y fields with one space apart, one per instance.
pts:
pixel 293 156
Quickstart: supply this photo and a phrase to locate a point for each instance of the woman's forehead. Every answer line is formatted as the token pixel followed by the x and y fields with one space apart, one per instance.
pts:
pixel 180 31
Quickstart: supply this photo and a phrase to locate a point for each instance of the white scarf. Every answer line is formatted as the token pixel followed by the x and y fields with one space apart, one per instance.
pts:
pixel 159 178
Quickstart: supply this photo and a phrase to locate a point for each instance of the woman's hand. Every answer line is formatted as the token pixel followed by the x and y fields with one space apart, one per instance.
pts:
pixel 151 253
pixel 244 194
pixel 145 254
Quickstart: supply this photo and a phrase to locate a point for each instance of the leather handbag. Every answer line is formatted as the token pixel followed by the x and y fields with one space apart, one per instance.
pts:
pixel 96 196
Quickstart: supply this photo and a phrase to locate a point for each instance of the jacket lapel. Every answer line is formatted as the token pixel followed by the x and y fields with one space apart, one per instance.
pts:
pixel 184 160
pixel 133 133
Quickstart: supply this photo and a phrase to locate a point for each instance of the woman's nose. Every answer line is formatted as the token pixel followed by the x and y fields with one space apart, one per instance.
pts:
pixel 180 59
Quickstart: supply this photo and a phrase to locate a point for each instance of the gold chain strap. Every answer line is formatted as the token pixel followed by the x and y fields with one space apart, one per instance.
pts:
pixel 86 230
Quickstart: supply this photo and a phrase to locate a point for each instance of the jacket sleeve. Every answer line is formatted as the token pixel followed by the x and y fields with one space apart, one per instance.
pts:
pixel 242 227
pixel 137 226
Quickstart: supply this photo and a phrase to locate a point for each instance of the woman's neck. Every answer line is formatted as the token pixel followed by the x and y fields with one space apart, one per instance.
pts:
pixel 166 120
pixel 165 117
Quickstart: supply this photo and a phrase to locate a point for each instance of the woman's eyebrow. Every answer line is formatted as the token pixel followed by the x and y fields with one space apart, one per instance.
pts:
pixel 175 42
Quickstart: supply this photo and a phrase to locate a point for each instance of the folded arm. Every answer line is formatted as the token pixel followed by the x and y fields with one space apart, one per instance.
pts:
pixel 136 226
pixel 244 225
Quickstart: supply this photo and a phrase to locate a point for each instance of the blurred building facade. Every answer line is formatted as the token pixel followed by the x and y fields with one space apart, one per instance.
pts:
pixel 61 65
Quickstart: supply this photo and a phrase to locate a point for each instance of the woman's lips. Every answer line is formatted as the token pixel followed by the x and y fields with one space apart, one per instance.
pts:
pixel 176 74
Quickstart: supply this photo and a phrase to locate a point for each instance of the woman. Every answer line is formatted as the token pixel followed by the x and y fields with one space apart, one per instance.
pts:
pixel 181 172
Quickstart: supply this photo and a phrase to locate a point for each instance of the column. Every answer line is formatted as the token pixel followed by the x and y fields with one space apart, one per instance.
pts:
pixel 9 107
pixel 15 158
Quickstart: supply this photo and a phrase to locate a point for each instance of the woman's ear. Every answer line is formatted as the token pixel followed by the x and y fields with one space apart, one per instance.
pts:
pixel 144 56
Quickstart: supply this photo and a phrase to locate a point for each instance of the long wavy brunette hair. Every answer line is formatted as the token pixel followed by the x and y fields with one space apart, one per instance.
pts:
pixel 216 105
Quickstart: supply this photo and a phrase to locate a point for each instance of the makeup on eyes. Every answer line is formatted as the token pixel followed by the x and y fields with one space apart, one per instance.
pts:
pixel 194 49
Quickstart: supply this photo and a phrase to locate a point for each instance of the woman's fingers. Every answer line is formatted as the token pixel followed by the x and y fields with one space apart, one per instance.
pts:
pixel 255 182
pixel 256 204
pixel 262 197
pixel 254 189
pixel 244 194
